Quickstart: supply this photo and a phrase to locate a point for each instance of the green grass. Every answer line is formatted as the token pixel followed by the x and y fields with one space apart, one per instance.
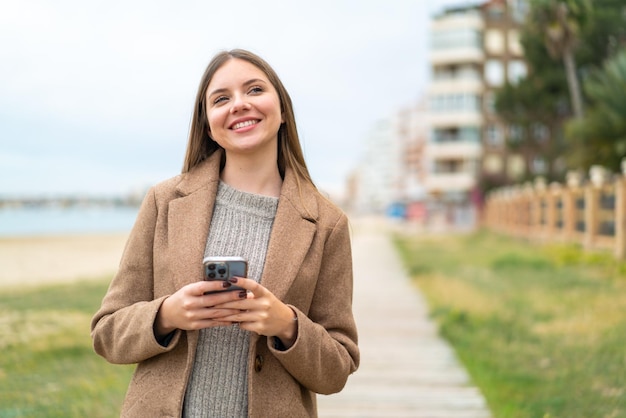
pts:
pixel 47 365
pixel 541 329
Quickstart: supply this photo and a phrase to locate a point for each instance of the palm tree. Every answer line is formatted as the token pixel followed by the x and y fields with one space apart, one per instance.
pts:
pixel 602 132
pixel 559 22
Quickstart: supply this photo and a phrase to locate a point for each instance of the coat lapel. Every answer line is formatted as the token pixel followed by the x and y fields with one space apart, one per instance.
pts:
pixel 189 217
pixel 293 231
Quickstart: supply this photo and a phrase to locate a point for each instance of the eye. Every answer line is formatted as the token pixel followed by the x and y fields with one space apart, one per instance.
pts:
pixel 255 90
pixel 219 99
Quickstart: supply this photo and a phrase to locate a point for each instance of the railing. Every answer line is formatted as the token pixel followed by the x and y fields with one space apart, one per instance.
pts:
pixel 590 213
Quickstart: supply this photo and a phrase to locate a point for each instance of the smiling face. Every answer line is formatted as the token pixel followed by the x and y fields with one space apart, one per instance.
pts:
pixel 243 109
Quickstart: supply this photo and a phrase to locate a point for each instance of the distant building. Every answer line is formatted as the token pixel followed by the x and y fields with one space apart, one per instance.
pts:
pixel 378 171
pixel 474 51
pixel 412 128
pixel 455 148
pixel 391 173
pixel 429 161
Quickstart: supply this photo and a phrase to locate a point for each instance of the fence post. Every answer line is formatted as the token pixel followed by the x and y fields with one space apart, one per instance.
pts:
pixel 554 194
pixel 591 214
pixel 620 217
pixel 540 215
pixel 568 214
pixel 597 177
pixel 574 180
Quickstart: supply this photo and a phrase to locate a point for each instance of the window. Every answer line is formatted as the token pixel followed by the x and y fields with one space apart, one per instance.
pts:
pixel 516 70
pixel 540 132
pixel 493 164
pixel 490 102
pixel 456 38
pixel 494 41
pixel 515 166
pixel 519 9
pixel 495 12
pixel 494 73
pixel 493 136
pixel 448 166
pixel 538 165
pixel 470 134
pixel 446 135
pixel 515 46
pixel 455 102
pixel 516 134
pixel 468 72
pixel 461 134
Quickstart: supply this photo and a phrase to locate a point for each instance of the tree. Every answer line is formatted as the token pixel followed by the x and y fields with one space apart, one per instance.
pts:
pixel 543 96
pixel 601 134
pixel 559 22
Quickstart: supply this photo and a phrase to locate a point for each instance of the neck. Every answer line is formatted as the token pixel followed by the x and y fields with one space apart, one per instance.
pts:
pixel 252 174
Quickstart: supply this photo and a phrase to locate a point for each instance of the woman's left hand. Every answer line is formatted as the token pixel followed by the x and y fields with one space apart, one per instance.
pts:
pixel 263 313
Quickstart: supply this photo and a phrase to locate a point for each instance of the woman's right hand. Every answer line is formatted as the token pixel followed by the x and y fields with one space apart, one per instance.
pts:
pixel 190 308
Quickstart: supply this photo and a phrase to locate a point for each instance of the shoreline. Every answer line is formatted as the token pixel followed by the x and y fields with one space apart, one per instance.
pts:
pixel 40 259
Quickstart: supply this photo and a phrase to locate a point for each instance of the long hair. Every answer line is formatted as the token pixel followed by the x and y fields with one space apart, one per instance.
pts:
pixel 200 144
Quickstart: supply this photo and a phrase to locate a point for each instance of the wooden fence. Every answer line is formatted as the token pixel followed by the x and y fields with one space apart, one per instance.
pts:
pixel 591 213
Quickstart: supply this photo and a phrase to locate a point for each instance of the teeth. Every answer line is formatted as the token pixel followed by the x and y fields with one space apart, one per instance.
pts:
pixel 244 124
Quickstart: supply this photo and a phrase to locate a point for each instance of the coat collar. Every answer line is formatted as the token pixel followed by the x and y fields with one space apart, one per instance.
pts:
pixel 207 174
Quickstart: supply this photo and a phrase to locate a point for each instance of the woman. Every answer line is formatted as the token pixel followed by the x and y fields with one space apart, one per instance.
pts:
pixel 245 191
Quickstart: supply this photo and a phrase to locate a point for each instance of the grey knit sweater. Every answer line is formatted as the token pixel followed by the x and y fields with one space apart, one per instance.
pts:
pixel 240 226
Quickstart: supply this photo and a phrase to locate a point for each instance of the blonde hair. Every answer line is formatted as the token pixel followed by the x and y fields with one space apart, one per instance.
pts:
pixel 200 145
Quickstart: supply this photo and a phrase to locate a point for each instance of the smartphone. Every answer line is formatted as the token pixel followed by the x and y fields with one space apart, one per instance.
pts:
pixel 223 268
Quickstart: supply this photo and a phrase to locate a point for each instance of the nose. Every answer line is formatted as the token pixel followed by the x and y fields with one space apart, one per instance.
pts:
pixel 239 103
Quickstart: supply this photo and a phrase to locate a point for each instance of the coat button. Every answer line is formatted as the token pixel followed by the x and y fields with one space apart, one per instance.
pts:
pixel 258 363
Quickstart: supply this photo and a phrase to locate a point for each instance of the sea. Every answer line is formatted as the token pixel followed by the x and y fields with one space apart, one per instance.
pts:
pixel 37 221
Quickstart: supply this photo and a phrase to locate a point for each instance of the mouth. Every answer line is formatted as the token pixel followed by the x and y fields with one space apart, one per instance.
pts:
pixel 244 124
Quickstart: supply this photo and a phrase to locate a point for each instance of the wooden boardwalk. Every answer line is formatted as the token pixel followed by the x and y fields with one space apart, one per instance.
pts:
pixel 407 370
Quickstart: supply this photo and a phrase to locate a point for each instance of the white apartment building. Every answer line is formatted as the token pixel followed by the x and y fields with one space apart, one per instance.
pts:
pixel 474 50
pixel 455 98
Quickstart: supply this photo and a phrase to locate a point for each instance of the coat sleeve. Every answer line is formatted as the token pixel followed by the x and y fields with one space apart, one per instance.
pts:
pixel 122 329
pixel 326 352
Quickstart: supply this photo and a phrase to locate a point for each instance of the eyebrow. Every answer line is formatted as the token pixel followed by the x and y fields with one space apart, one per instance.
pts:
pixel 247 83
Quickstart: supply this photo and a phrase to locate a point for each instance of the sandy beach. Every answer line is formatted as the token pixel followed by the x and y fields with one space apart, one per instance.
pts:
pixel 47 259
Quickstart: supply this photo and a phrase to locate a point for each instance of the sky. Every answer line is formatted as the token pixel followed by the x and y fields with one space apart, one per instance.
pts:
pixel 96 96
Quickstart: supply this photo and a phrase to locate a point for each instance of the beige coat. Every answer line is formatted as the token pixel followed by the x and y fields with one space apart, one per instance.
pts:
pixel 308 266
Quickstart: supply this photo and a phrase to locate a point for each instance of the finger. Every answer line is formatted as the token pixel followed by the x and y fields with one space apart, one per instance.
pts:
pixel 222 314
pixel 201 287
pixel 249 284
pixel 247 304
pixel 239 317
pixel 221 297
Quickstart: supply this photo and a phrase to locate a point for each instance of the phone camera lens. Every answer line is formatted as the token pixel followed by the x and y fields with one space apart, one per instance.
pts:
pixel 222 271
pixel 211 266
pixel 211 275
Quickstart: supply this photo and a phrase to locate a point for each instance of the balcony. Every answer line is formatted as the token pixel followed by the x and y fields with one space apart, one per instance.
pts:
pixel 441 86
pixel 457 56
pixel 452 119
pixel 454 150
pixel 450 182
